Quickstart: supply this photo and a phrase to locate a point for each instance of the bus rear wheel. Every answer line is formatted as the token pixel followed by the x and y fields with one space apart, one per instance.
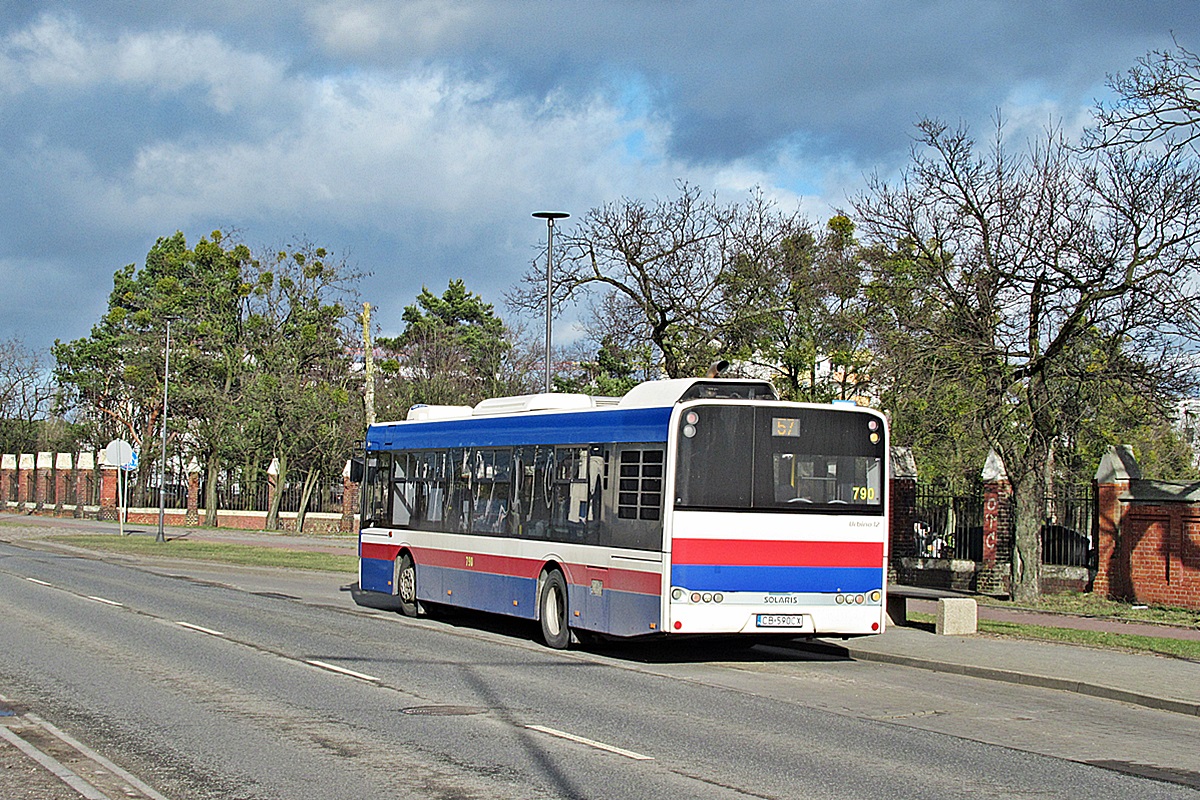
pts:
pixel 406 585
pixel 552 608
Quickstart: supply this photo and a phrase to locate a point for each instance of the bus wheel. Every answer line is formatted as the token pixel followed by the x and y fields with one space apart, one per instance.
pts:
pixel 552 608
pixel 406 585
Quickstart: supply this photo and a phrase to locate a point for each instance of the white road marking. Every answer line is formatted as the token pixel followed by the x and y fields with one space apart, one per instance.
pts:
pixel 199 628
pixel 341 670
pixel 105 601
pixel 124 775
pixel 56 767
pixel 608 748
pixel 40 583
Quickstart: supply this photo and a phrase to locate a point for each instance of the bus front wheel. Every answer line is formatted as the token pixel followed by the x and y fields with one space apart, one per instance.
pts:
pixel 552 608
pixel 406 585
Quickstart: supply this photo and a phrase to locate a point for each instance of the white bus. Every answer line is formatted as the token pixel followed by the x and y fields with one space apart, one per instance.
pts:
pixel 688 506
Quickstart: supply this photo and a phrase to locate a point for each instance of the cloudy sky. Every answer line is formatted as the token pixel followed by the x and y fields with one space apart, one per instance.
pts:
pixel 415 137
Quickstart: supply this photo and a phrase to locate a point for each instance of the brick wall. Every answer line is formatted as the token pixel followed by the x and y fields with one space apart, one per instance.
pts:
pixel 26 484
pixel 1148 537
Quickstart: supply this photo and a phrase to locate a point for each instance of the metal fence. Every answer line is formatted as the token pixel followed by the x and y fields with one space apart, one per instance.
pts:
pixel 948 526
pixel 1067 538
pixel 234 493
pixel 951 526
pixel 146 494
pixel 325 498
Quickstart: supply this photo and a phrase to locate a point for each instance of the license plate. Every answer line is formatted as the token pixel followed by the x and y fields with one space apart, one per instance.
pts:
pixel 781 620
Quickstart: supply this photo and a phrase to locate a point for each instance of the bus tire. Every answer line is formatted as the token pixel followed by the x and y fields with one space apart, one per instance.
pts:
pixel 406 585
pixel 553 611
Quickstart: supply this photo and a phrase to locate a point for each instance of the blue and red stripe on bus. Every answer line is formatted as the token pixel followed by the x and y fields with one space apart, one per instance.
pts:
pixel 740 565
pixel 627 599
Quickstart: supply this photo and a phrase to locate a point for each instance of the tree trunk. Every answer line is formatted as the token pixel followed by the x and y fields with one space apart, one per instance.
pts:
pixel 212 469
pixel 310 481
pixel 1027 545
pixel 280 481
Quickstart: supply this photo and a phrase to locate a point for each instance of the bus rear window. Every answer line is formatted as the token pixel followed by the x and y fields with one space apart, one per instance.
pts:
pixel 799 460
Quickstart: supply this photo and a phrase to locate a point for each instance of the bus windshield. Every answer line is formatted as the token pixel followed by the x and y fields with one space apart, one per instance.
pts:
pixel 738 457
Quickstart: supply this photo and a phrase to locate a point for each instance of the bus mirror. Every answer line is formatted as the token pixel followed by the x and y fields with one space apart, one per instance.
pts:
pixel 356 470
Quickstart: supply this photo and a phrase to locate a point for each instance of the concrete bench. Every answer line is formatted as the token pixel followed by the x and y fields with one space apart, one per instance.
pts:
pixel 956 615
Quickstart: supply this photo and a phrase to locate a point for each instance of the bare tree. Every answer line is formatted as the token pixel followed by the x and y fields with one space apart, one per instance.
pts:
pixel 657 265
pixel 25 394
pixel 1038 275
pixel 1157 100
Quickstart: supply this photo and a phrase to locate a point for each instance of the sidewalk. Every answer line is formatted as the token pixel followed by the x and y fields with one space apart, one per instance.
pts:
pixel 1159 682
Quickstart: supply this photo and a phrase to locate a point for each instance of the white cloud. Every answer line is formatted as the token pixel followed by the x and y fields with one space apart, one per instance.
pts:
pixel 58 53
pixel 351 27
pixel 377 146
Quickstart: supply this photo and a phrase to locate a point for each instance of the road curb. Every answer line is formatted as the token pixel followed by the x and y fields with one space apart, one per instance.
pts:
pixel 1185 707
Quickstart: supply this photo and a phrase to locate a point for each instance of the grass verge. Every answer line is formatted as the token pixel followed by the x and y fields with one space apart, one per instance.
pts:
pixel 221 552
pixel 1180 648
pixel 1092 605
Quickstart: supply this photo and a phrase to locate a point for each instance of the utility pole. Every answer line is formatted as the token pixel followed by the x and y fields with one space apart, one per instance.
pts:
pixel 549 216
pixel 368 365
pixel 162 467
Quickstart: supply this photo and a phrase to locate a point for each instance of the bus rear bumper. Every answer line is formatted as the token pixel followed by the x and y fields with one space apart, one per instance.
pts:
pixel 767 620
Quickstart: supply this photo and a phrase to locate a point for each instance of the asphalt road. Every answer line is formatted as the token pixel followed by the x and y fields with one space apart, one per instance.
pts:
pixel 212 682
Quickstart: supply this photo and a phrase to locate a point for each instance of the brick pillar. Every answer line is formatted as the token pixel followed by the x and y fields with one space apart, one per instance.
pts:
pixel 45 469
pixel 349 501
pixel 25 481
pixel 8 476
pixel 902 509
pixel 62 471
pixel 192 520
pixel 85 469
pixel 1114 577
pixel 995 574
pixel 109 502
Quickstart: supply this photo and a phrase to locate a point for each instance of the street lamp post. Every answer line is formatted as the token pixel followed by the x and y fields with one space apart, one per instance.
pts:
pixel 162 467
pixel 549 216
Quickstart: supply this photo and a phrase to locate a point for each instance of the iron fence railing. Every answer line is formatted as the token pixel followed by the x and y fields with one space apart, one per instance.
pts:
pixel 236 496
pixel 948 526
pixel 1067 537
pixel 325 498
pixel 951 526
pixel 233 494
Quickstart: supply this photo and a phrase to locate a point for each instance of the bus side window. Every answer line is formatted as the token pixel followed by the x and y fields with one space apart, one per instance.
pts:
pixel 375 488
pixel 491 477
pixel 430 478
pixel 537 488
pixel 402 500
pixel 458 479
pixel 638 497
pixel 570 493
pixel 597 524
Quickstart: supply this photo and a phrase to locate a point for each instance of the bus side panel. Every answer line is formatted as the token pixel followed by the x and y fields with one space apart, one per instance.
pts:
pixel 617 602
pixel 484 582
pixel 377 567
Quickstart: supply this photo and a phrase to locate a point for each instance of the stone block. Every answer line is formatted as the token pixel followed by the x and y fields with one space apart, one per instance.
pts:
pixel 956 616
